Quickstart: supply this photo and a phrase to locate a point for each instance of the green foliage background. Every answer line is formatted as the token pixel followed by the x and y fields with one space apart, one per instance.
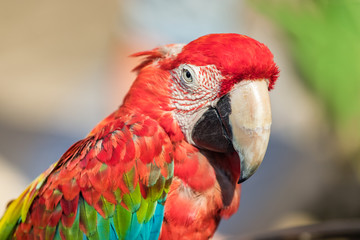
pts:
pixel 324 38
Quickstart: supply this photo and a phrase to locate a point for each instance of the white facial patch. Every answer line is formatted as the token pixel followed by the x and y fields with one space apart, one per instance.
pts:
pixel 194 89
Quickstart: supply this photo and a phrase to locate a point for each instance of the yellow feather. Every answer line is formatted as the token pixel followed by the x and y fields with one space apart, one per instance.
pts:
pixel 18 209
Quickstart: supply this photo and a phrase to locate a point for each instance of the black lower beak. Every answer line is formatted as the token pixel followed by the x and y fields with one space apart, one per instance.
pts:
pixel 213 131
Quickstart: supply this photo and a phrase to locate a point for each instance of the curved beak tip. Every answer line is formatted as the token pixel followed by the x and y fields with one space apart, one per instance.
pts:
pixel 247 173
pixel 241 180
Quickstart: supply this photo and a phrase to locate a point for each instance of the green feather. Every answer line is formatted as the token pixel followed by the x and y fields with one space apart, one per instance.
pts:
pixel 107 207
pixel 167 185
pixel 133 199
pixel 94 236
pixel 122 221
pixel 155 191
pixel 170 168
pixel 141 213
pixel 49 231
pixel 88 218
pixel 72 232
pixel 117 194
pixel 150 211
pixel 129 178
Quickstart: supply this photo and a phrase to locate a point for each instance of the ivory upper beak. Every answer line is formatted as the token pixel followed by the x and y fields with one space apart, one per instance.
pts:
pixel 250 120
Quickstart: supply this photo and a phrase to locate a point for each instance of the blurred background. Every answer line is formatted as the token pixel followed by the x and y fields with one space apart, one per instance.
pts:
pixel 64 67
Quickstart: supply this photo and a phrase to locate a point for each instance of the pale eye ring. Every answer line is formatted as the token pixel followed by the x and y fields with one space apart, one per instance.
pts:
pixel 187 75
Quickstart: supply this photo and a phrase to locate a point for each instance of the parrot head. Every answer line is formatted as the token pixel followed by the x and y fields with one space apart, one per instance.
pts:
pixel 216 88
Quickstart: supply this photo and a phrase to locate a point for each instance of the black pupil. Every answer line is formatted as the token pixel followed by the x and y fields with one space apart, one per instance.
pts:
pixel 187 74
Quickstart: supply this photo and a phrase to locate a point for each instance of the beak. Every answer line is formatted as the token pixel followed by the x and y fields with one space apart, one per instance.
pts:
pixel 240 121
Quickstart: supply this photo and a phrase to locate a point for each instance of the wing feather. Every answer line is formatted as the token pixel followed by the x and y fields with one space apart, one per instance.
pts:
pixel 108 184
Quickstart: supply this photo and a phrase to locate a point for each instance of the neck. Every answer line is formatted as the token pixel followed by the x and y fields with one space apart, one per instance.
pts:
pixel 205 188
pixel 150 95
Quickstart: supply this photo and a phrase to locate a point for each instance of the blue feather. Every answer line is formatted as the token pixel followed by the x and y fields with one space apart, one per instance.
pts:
pixel 156 221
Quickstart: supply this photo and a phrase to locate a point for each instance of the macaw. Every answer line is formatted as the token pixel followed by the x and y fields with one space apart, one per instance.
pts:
pixel 167 163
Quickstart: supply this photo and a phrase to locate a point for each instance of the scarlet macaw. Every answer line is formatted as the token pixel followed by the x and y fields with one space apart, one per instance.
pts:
pixel 167 162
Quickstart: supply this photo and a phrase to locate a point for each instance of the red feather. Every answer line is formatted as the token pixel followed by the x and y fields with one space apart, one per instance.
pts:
pixel 69 188
pixel 52 198
pixel 69 211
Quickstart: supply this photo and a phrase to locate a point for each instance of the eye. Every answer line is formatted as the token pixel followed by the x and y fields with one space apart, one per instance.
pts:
pixel 187 75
